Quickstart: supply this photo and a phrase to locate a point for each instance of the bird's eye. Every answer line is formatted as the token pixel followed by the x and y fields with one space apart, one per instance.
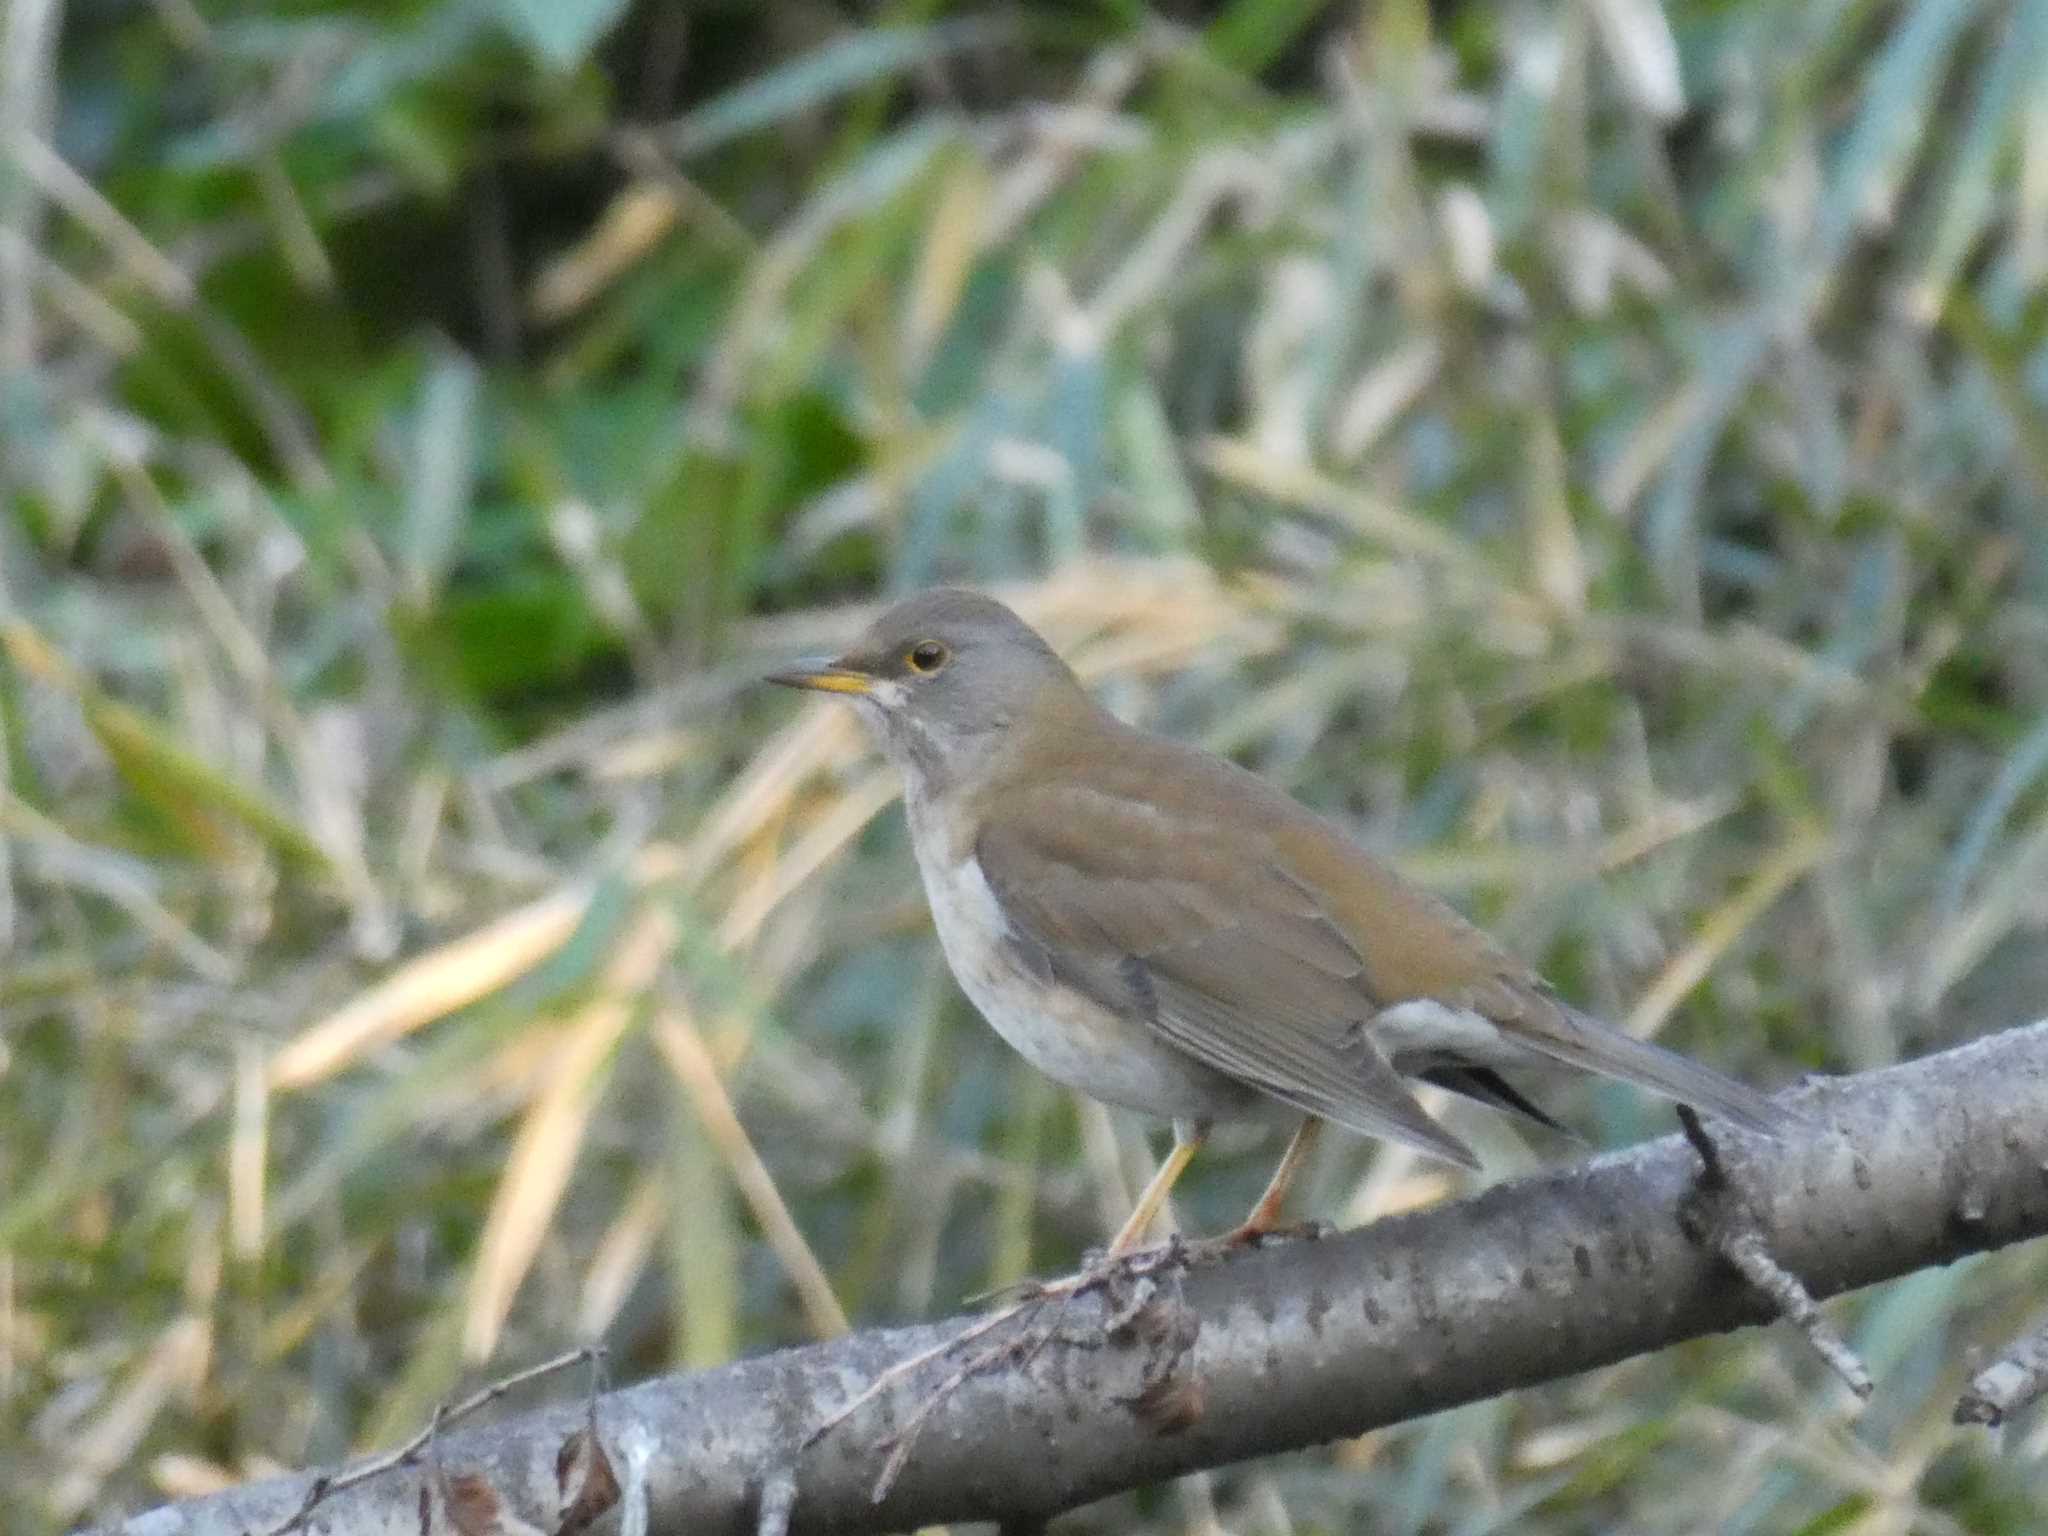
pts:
pixel 926 656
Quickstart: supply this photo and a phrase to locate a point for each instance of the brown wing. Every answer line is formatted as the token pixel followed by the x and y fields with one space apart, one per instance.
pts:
pixel 1420 947
pixel 1262 942
pixel 1192 926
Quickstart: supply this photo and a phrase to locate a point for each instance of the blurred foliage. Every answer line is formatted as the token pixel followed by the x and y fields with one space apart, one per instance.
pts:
pixel 1596 451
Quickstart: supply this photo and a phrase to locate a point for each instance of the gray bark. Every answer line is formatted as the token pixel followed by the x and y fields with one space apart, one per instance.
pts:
pixel 1522 1283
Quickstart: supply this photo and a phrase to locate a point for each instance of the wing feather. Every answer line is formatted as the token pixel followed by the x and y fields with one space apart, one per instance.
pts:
pixel 1264 945
pixel 1232 963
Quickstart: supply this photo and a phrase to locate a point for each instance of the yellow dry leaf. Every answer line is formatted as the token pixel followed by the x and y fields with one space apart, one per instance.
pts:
pixel 638 218
pixel 618 1259
pixel 544 1152
pixel 816 739
pixel 840 824
pixel 431 986
pixel 683 1048
pixel 951 246
pixel 111 1438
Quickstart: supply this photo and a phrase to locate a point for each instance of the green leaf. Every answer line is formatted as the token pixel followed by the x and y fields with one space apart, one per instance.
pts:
pixel 193 796
pixel 2022 768
pixel 443 470
pixel 1878 151
pixel 817 78
pixel 1967 193
pixel 1253 33
pixel 529 630
pixel 561 32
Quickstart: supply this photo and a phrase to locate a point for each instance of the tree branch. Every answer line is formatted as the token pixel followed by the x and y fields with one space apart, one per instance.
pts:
pixel 1520 1284
pixel 1717 1212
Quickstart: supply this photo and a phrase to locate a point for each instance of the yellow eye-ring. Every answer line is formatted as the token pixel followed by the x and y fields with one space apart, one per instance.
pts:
pixel 926 656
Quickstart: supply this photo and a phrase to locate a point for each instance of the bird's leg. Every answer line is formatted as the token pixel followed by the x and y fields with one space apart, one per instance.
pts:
pixel 1265 1216
pixel 1137 1286
pixel 1123 1261
pixel 1188 1136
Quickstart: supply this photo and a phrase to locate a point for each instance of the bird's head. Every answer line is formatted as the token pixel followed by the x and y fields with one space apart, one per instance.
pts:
pixel 942 680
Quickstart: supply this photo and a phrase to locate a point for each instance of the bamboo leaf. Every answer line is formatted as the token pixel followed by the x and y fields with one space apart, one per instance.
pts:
pixel 190 793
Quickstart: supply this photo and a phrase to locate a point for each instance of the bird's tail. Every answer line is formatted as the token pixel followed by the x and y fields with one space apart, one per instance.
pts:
pixel 1582 1041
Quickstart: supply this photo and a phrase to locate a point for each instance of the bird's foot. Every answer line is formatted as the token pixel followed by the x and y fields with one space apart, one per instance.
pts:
pixel 1120 1274
pixel 1115 1275
pixel 1141 1304
pixel 1249 1235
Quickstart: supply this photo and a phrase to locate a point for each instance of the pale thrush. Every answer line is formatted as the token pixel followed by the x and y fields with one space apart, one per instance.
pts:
pixel 1165 931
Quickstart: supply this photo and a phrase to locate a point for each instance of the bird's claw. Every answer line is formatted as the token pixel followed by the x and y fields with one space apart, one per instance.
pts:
pixel 1114 1274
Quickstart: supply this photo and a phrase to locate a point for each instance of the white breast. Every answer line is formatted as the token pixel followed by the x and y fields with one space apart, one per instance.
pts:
pixel 973 931
pixel 1063 1033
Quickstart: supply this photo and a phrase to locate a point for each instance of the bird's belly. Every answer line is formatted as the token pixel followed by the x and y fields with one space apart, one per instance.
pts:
pixel 1062 1032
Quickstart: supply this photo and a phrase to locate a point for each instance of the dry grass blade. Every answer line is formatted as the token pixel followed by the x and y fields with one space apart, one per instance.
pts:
pixel 62 184
pixel 54 855
pixel 203 800
pixel 1244 465
pixel 903 1441
pixel 903 1369
pixel 952 243
pixel 638 218
pixel 621 1254
pixel 331 813
pixel 1724 926
pixel 792 867
pixel 1453 869
pixel 248 1154
pixel 544 1151
pixel 168 1366
pixel 819 737
pixel 683 1048
pixel 2010 893
pixel 430 987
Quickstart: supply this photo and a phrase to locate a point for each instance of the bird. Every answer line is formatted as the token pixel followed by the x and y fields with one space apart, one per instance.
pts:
pixel 1163 930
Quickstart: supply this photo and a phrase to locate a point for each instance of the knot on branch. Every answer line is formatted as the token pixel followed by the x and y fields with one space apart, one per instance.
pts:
pixel 1718 1213
pixel 1154 1316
